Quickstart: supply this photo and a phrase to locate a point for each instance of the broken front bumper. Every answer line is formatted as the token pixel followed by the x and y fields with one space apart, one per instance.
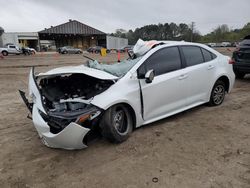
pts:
pixel 71 136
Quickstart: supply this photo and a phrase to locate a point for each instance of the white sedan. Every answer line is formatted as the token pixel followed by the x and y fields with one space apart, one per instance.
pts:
pixel 70 104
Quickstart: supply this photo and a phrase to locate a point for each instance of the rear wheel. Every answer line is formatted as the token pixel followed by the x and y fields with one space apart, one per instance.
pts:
pixel 218 93
pixel 117 124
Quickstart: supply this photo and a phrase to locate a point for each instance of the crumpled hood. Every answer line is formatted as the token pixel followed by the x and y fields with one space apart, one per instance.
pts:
pixel 81 69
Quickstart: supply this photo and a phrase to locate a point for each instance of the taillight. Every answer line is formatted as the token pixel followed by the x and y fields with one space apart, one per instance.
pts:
pixel 231 61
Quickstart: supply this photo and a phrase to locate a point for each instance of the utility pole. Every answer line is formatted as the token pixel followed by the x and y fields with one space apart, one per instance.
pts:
pixel 192 31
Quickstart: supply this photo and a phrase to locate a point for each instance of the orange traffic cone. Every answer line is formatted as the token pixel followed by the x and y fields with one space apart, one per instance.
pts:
pixel 119 56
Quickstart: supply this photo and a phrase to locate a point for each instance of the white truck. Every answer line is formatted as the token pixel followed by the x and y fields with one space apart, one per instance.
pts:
pixel 10 49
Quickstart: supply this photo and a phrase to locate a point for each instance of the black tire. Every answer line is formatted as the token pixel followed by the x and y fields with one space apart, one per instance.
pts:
pixel 116 124
pixel 239 75
pixel 5 53
pixel 218 93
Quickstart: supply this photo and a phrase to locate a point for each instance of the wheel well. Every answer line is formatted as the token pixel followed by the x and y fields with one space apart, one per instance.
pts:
pixel 226 81
pixel 132 112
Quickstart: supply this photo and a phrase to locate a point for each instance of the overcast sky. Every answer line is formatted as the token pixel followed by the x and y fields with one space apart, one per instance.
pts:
pixel 109 15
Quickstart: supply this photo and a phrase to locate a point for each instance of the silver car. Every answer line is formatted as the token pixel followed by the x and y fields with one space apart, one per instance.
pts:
pixel 69 50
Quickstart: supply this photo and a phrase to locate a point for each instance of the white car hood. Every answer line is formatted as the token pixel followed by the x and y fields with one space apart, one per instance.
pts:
pixel 81 69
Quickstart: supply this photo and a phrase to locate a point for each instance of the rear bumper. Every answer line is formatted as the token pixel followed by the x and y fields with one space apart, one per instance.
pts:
pixel 243 67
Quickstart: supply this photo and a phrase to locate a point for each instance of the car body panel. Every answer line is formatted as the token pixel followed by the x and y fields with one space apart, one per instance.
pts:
pixel 199 78
pixel 159 103
pixel 34 92
pixel 81 69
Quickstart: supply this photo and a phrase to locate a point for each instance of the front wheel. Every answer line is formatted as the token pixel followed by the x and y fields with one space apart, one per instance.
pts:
pixel 218 93
pixel 116 124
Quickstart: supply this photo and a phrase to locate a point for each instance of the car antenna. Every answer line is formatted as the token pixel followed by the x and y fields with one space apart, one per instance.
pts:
pixel 88 57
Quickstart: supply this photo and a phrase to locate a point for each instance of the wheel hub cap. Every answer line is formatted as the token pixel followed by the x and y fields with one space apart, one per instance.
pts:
pixel 218 95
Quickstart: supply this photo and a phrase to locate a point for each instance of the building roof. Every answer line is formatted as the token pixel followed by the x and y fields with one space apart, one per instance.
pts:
pixel 72 27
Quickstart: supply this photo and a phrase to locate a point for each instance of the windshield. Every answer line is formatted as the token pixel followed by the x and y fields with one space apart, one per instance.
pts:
pixel 116 69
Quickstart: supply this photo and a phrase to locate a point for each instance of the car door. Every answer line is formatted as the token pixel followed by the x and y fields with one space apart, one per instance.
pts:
pixel 12 49
pixel 167 92
pixel 200 68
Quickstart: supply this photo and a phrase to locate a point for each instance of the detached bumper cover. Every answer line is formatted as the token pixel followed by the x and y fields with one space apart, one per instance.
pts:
pixel 71 137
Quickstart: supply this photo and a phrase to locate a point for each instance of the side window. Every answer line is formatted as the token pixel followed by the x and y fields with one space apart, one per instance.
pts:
pixel 164 60
pixel 192 55
pixel 207 55
pixel 213 56
pixel 12 47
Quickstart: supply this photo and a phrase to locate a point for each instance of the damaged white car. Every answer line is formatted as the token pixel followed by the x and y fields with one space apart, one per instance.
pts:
pixel 161 78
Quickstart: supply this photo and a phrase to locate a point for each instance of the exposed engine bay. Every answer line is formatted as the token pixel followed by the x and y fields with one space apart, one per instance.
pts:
pixel 70 92
pixel 66 98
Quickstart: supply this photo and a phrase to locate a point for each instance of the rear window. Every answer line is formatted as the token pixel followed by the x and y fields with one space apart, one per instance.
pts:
pixel 193 55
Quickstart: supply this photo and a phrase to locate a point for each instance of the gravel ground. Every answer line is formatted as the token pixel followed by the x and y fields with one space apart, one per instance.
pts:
pixel 201 147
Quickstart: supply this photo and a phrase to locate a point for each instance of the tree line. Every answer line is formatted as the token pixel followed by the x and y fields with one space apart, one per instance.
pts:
pixel 182 31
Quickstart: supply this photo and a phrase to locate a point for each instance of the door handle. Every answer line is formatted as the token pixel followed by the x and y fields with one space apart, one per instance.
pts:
pixel 183 76
pixel 210 67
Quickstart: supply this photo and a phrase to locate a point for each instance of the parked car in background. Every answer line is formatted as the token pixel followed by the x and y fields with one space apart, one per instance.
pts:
pixel 70 103
pixel 32 50
pixel 225 44
pixel 241 57
pixel 96 49
pixel 69 50
pixel 10 49
pixel 125 49
pixel 211 44
pixel 26 51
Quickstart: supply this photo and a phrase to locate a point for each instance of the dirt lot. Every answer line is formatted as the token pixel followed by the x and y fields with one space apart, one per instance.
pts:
pixel 202 147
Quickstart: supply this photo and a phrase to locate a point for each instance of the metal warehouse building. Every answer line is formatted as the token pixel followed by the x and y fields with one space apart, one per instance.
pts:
pixel 74 33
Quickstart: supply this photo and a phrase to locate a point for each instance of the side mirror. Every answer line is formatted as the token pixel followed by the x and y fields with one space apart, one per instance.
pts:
pixel 149 76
